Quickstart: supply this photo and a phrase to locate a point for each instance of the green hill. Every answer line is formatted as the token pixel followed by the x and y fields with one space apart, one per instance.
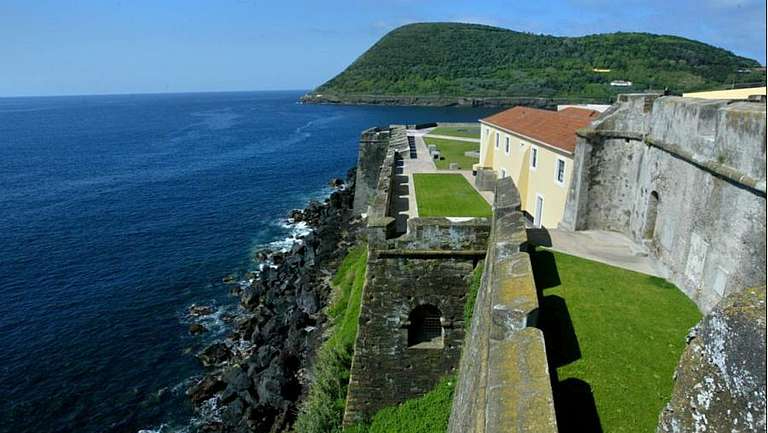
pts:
pixel 469 60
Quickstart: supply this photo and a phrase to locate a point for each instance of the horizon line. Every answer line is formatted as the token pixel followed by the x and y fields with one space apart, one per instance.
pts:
pixel 145 93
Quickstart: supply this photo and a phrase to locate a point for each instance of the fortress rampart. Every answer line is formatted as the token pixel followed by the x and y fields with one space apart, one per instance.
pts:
pixel 504 383
pixel 684 176
pixel 411 325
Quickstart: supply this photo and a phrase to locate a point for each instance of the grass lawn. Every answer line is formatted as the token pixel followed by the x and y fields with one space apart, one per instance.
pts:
pixel 453 151
pixel 456 131
pixel 614 337
pixel 448 195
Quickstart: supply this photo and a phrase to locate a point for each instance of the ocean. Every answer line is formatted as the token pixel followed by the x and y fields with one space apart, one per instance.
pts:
pixel 119 212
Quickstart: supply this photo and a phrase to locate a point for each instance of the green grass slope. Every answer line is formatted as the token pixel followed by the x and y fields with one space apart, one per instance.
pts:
pixel 614 337
pixel 453 59
pixel 323 409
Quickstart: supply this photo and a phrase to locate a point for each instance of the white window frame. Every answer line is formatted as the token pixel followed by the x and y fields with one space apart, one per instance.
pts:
pixel 541 217
pixel 497 140
pixel 534 157
pixel 506 145
pixel 503 173
pixel 558 160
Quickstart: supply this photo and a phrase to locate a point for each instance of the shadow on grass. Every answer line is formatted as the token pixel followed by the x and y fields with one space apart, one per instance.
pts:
pixel 545 273
pixel 574 402
pixel 559 335
pixel 575 407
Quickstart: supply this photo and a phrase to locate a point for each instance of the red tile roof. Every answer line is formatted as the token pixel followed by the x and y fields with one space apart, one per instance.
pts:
pixel 555 128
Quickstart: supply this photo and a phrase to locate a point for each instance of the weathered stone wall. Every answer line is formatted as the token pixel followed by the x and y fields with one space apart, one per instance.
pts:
pixel 720 383
pixel 371 153
pixel 687 178
pixel 428 265
pixel 485 179
pixel 504 383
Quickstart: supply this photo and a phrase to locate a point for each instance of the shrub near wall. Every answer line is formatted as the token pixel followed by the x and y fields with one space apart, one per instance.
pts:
pixel 323 409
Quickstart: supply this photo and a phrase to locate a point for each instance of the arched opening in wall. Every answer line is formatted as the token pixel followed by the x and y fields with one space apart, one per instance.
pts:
pixel 650 215
pixel 424 329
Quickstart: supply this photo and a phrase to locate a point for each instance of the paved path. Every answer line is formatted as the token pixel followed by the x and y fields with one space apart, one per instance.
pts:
pixel 450 137
pixel 606 247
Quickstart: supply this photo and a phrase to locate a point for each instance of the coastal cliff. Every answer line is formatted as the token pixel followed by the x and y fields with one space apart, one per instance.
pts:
pixel 259 372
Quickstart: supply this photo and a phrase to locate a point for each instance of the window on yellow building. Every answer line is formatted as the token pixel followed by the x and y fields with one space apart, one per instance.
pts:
pixel 503 173
pixel 497 140
pixel 560 171
pixel 534 156
pixel 506 146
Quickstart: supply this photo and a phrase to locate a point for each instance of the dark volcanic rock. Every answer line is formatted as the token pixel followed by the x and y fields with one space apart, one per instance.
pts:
pixel 200 310
pixel 257 384
pixel 196 329
pixel 720 382
pixel 215 354
pixel 205 388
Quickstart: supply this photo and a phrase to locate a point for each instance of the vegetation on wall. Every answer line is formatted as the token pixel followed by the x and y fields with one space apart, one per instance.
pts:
pixel 426 414
pixel 453 59
pixel 323 409
pixel 474 286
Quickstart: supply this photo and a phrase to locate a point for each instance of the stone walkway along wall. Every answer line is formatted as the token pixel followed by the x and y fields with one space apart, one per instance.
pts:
pixel 504 383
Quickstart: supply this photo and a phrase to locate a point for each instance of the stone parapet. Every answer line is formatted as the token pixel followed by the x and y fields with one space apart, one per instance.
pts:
pixel 372 150
pixel 485 179
pixel 504 383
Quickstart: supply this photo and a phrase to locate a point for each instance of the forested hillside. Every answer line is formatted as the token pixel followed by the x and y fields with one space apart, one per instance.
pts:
pixel 450 59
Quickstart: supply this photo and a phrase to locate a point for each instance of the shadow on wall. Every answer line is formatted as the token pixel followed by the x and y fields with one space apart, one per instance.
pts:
pixel 574 402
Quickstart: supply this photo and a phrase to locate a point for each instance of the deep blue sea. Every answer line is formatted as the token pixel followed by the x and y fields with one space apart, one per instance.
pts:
pixel 118 212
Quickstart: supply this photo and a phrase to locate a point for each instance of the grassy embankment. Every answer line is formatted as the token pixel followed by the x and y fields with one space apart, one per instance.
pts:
pixel 448 195
pixel 457 131
pixel 429 413
pixel 453 151
pixel 323 410
pixel 614 337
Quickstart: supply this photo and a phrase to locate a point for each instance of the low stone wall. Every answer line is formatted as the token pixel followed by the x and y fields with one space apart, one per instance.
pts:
pixel 485 179
pixel 504 383
pixel 684 176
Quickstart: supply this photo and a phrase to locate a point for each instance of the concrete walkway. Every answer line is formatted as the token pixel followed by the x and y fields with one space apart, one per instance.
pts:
pixel 450 137
pixel 610 248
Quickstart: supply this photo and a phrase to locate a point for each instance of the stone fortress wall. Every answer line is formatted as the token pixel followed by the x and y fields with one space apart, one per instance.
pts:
pixel 684 176
pixel 504 382
pixel 411 325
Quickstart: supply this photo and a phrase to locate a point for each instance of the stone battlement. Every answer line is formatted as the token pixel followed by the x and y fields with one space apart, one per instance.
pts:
pixel 504 383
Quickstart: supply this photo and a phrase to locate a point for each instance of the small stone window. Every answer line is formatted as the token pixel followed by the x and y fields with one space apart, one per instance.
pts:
pixel 425 330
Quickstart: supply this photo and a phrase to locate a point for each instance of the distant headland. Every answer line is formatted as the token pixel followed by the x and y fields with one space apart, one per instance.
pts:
pixel 446 64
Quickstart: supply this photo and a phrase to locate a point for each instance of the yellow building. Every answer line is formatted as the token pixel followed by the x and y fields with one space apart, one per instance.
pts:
pixel 535 148
pixel 728 94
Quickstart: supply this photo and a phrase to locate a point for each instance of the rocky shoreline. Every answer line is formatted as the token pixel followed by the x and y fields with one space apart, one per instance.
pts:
pixel 257 375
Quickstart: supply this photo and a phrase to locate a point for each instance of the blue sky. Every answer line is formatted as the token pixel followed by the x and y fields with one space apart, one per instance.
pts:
pixel 52 47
